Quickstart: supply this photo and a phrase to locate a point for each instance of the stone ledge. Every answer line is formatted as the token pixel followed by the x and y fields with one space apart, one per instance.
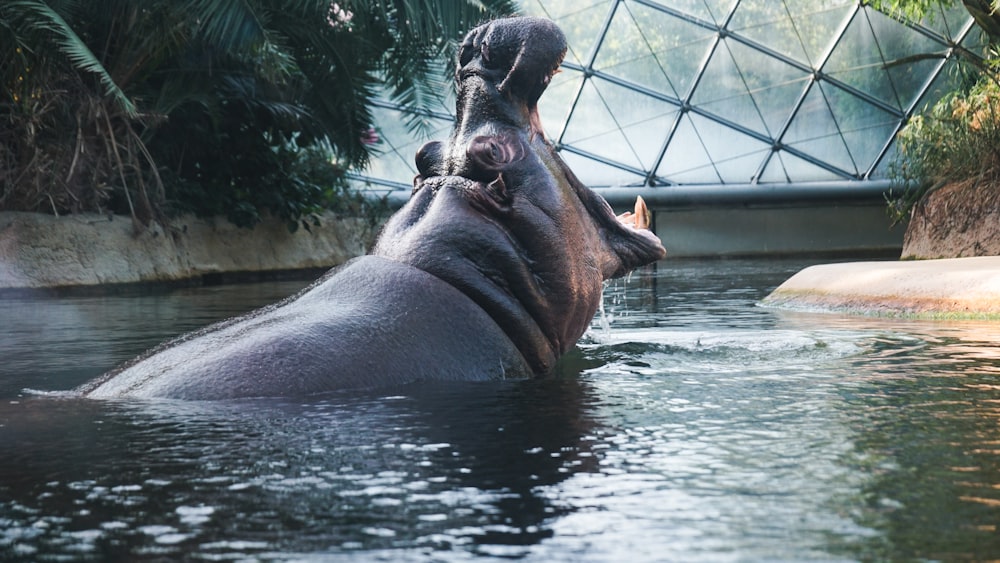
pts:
pixel 956 288
pixel 43 251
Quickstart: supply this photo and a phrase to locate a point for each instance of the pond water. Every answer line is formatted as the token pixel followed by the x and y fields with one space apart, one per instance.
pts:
pixel 691 425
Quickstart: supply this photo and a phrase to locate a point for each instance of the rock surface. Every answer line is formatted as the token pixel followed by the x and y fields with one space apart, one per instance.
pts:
pixel 957 288
pixel 44 251
pixel 957 220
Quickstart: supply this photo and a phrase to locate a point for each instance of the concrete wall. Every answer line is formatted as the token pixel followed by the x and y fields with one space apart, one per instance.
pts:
pixel 846 217
pixel 840 217
pixel 43 251
pixel 38 250
pixel 783 230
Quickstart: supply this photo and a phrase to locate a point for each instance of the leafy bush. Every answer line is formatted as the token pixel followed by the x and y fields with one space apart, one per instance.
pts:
pixel 240 107
pixel 957 140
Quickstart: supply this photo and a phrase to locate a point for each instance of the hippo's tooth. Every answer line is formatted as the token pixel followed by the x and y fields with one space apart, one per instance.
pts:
pixel 642 215
pixel 639 217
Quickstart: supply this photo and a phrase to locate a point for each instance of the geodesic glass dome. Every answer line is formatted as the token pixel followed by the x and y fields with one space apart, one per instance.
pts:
pixel 718 92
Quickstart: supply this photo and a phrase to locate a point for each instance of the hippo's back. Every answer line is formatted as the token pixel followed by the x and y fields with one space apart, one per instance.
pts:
pixel 372 322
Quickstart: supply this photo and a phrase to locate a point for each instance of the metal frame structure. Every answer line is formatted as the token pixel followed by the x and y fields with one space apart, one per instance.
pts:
pixel 828 117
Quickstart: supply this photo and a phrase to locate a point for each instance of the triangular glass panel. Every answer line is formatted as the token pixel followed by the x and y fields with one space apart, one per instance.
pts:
pixel 396 146
pixel 904 50
pixel 555 104
pixel 776 102
pixel 774 171
pixel 857 60
pixel 653 49
pixel 948 80
pixel 580 20
pixel 739 169
pixel 977 41
pixel 785 167
pixel 619 124
pixel 946 21
pixel 910 79
pixel 595 173
pixel 774 85
pixel 817 23
pixel 767 22
pixel 736 156
pixel 720 9
pixel 865 128
pixel 711 11
pixel 814 130
pixel 723 91
pixel 687 161
pixel 800 29
pixel 884 169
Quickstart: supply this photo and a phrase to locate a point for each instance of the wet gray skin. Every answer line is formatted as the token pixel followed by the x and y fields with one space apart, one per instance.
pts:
pixel 498 214
pixel 492 270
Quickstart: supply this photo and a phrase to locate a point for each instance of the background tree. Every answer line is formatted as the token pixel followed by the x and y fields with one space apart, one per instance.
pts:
pixel 957 141
pixel 240 107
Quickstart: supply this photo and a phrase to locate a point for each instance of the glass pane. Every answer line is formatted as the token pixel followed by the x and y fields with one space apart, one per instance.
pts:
pixel 736 156
pixel 555 103
pixel 619 124
pixel 948 80
pixel 753 90
pixel 899 45
pixel 818 25
pixel 977 41
pixel 712 11
pixel 653 49
pixel 947 21
pixel 723 91
pixel 883 169
pixel 857 61
pixel 719 9
pixel 686 160
pixel 596 174
pixel 800 29
pixel 814 131
pixel 784 167
pixel 581 20
pixel 705 152
pixel 396 146
pixel 865 128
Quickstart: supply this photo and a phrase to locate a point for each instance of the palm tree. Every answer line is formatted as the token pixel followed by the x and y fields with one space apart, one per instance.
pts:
pixel 206 105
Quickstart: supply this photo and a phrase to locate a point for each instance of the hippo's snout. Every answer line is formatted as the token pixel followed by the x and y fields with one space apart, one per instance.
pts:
pixel 519 55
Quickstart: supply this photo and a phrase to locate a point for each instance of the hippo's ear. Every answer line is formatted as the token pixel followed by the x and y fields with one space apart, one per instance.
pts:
pixel 430 159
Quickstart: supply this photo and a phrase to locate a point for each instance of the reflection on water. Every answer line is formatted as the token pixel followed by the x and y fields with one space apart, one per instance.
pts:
pixel 696 426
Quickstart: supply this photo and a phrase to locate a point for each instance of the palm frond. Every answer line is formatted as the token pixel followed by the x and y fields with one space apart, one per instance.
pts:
pixel 233 25
pixel 417 67
pixel 40 16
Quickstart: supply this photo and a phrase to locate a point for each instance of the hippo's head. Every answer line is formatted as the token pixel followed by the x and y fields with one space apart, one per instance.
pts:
pixel 497 213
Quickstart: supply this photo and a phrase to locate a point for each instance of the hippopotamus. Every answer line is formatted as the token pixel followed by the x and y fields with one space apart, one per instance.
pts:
pixel 493 269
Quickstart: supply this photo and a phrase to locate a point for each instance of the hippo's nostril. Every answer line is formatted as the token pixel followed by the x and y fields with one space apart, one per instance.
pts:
pixel 488 154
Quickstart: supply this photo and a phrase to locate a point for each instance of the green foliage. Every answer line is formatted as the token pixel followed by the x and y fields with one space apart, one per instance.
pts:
pixel 957 140
pixel 242 107
pixel 911 9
